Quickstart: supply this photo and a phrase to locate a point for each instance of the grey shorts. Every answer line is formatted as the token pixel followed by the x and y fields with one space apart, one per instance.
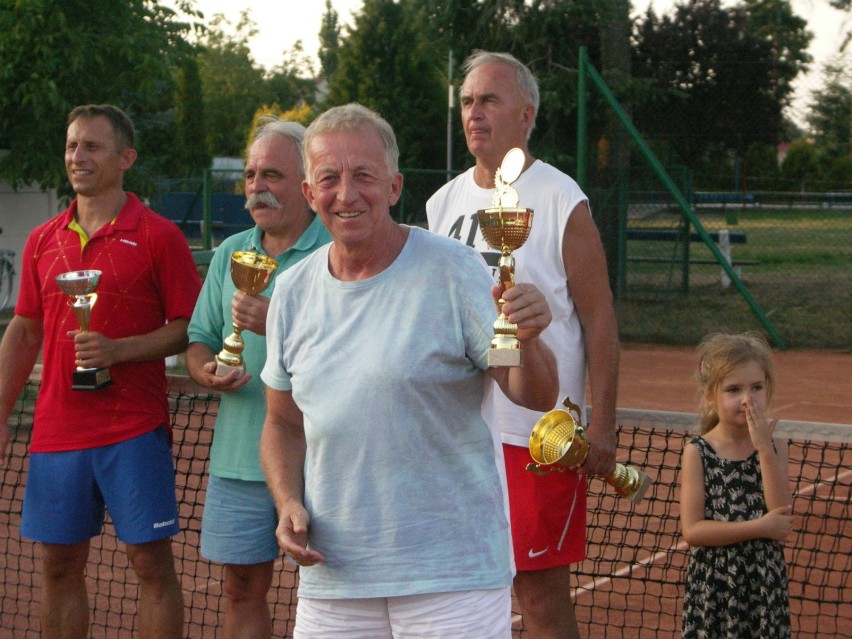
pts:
pixel 239 522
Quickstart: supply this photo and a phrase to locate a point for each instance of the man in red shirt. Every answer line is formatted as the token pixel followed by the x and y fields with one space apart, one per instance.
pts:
pixel 108 448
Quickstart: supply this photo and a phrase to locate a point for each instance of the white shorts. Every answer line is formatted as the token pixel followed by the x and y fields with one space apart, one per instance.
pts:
pixel 484 614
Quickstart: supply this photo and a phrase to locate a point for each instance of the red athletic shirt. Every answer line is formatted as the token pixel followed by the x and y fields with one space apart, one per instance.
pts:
pixel 149 277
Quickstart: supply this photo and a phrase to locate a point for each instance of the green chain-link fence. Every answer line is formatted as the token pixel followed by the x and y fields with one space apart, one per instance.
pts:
pixel 690 262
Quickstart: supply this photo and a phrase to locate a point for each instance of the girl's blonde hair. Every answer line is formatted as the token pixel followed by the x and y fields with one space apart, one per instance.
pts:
pixel 718 355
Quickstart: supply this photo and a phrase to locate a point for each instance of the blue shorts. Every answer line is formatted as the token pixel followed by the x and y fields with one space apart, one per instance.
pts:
pixel 239 522
pixel 134 480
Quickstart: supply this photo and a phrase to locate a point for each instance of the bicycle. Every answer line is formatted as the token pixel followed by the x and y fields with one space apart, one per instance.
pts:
pixel 7 275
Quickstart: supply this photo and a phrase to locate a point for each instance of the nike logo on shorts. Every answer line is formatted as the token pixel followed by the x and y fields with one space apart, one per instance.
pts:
pixel 537 553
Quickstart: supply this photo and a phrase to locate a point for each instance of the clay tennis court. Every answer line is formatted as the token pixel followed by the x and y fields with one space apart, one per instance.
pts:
pixel 812 386
pixel 628 587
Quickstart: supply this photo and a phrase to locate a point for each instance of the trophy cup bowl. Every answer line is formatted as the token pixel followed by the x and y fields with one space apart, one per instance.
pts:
pixel 251 274
pixel 81 285
pixel 505 229
pixel 558 441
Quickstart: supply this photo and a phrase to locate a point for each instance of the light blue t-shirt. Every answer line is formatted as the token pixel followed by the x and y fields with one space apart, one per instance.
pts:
pixel 234 453
pixel 400 475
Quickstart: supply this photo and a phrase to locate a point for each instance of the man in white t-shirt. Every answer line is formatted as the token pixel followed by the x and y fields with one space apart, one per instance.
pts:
pixel 564 258
pixel 374 446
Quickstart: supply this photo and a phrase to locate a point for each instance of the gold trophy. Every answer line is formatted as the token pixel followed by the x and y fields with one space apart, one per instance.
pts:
pixel 81 285
pixel 251 273
pixel 558 441
pixel 506 227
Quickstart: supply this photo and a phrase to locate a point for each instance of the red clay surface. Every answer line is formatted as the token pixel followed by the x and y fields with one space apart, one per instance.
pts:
pixel 811 386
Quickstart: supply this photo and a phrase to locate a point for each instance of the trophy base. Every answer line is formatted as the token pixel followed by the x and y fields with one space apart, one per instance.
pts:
pixel 223 369
pixel 505 357
pixel 90 379
pixel 643 483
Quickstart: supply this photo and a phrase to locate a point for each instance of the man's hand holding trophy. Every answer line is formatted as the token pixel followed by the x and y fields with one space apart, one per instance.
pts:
pixel 251 274
pixel 81 286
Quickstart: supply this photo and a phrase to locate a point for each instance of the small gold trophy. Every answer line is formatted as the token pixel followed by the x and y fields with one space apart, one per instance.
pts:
pixel 506 227
pixel 558 441
pixel 81 285
pixel 251 273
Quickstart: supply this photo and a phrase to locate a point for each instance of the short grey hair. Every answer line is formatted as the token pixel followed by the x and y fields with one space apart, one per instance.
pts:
pixel 270 125
pixel 526 81
pixel 353 118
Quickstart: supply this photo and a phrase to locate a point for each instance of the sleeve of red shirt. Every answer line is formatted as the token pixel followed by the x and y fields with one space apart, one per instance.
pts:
pixel 29 303
pixel 177 275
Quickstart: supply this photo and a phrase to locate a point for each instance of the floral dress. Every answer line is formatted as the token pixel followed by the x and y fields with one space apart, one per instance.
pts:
pixel 738 591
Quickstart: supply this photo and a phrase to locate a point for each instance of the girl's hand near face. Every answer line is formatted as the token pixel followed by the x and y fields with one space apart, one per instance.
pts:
pixel 759 428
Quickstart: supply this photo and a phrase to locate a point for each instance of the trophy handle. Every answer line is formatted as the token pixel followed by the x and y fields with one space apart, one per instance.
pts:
pixel 542 470
pixel 571 406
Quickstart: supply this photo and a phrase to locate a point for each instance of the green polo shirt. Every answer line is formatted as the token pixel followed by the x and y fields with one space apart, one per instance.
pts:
pixel 241 413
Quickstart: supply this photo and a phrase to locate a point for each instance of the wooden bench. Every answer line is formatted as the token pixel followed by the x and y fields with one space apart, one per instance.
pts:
pixel 723 239
pixel 672 235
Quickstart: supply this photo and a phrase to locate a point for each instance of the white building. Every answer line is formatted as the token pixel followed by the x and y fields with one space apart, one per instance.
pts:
pixel 21 211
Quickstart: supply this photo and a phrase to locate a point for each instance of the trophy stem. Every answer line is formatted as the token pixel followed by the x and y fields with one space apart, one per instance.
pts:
pixel 232 348
pixel 83 310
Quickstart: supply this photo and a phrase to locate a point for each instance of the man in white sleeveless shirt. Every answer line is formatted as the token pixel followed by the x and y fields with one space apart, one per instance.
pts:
pixel 564 258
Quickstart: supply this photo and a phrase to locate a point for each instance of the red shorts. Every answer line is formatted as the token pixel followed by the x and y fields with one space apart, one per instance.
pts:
pixel 548 514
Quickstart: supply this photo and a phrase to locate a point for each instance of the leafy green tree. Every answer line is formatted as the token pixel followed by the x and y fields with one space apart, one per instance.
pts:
pixel 801 168
pixel 235 86
pixel 839 173
pixel 544 34
pixel 55 55
pixel 715 82
pixel 830 117
pixel 291 82
pixel 329 37
pixel 387 65
pixel 760 168
pixel 230 80
pixel 191 121
pixel 773 21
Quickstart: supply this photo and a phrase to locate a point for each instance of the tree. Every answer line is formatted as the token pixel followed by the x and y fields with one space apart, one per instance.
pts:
pixel 543 34
pixel 761 170
pixel 830 117
pixel 235 87
pixel 191 121
pixel 715 83
pixel 329 37
pixel 800 169
pixel 230 81
pixel 774 22
pixel 59 54
pixel 387 65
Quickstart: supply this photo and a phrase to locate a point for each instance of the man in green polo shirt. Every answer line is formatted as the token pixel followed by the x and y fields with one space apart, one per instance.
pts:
pixel 239 521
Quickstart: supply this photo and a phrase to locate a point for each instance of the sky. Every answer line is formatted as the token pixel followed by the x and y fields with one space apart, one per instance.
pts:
pixel 279 26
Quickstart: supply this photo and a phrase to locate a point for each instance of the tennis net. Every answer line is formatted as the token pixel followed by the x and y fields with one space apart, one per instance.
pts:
pixel 630 585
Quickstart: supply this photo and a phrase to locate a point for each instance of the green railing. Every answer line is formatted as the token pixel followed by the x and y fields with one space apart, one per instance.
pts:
pixel 587 71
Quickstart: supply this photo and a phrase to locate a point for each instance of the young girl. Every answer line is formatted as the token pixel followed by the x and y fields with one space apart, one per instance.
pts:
pixel 735 504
